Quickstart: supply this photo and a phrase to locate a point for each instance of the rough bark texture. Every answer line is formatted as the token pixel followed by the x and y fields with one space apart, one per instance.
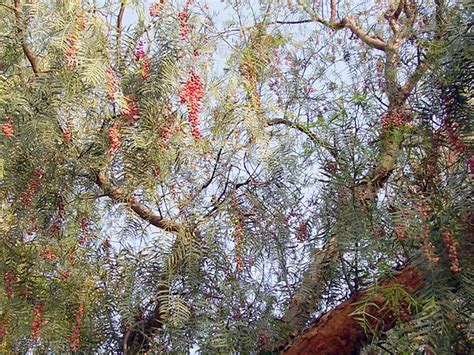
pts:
pixel 143 212
pixel 339 333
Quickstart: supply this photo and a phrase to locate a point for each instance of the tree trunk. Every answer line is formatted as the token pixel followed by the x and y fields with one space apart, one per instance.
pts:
pixel 339 333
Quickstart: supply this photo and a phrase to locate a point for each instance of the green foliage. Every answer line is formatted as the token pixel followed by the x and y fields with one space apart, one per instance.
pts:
pixel 108 201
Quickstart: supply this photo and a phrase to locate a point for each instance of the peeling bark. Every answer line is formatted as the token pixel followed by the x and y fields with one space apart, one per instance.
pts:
pixel 339 333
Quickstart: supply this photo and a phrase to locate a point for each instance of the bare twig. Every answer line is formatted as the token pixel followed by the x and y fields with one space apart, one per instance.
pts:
pixel 302 128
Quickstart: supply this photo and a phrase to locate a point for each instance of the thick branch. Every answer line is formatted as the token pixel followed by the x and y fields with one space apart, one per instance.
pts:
pixel 26 49
pixel 415 77
pixel 339 333
pixel 347 22
pixel 143 212
pixel 373 42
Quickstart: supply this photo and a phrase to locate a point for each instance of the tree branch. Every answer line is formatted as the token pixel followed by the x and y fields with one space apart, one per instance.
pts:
pixel 143 212
pixel 415 77
pixel 338 332
pixel 347 22
pixel 119 31
pixel 305 130
pixel 26 49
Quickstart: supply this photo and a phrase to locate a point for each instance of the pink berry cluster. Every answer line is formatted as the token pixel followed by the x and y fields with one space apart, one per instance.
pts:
pixel 37 322
pixel 140 56
pixel 454 138
pixel 84 231
pixel 80 20
pixel 192 94
pixel 427 247
pixel 71 50
pixel 131 112
pixel 32 187
pixel 157 7
pixel 239 245
pixel 452 250
pixel 67 135
pixel 72 40
pixel 183 23
pixel 114 138
pixel 394 118
pixel 7 128
pixel 139 51
pixel 145 69
pixel 111 83
pixel 75 327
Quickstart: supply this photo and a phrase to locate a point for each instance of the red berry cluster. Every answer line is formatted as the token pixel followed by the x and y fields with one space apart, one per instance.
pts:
pixel 9 278
pixel 459 147
pixel 166 133
pixel 454 138
pixel 400 231
pixel 67 134
pixel 47 254
pixel 302 232
pixel 112 83
pixel 32 188
pixel 130 112
pixel 394 118
pixel 452 251
pixel 183 23
pixel 2 331
pixel 37 322
pixel 75 327
pixel 34 227
pixel 114 138
pixel 404 312
pixel 192 94
pixel 55 227
pixel 7 129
